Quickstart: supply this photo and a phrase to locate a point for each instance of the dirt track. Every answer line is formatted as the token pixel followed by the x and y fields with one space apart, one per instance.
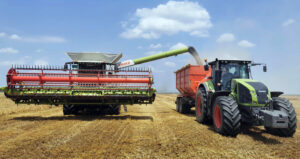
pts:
pixel 153 131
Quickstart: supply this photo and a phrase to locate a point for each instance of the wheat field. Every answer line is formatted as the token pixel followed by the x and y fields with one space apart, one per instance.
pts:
pixel 152 131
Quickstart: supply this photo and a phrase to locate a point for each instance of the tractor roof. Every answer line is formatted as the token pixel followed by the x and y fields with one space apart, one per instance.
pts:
pixel 229 61
pixel 94 57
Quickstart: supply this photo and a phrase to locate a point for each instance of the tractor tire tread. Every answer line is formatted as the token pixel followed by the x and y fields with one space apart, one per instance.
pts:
pixel 204 119
pixel 231 116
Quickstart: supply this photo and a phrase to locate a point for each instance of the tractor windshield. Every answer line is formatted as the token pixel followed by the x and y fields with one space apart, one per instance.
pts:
pixel 232 70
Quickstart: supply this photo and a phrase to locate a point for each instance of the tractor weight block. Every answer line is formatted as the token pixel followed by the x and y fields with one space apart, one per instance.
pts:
pixel 275 118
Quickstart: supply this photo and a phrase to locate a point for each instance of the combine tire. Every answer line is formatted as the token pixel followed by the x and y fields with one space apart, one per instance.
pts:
pixel 284 105
pixel 226 116
pixel 114 109
pixel 200 106
pixel 69 109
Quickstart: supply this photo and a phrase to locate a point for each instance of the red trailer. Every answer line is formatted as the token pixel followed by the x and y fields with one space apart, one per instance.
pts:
pixel 188 79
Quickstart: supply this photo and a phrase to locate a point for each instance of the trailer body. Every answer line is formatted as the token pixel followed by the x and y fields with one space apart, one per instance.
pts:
pixel 188 79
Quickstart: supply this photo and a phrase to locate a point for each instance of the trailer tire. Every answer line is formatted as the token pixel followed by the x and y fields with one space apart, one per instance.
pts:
pixel 226 116
pixel 201 106
pixel 285 105
pixel 181 107
pixel 177 103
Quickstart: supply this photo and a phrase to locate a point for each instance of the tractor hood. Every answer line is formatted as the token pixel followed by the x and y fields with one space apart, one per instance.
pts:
pixel 250 92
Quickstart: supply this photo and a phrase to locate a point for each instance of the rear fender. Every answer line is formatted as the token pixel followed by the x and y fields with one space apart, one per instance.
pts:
pixel 276 94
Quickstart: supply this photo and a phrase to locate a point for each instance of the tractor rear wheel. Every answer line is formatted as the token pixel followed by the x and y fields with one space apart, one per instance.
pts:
pixel 284 105
pixel 226 116
pixel 69 109
pixel 200 106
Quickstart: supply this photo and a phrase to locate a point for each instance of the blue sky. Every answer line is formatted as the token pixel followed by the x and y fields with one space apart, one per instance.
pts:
pixel 40 32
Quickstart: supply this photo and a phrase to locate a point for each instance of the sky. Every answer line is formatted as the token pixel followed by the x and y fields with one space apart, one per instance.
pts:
pixel 40 32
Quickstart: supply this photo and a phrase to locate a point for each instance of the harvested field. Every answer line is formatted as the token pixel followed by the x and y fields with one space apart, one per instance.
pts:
pixel 153 131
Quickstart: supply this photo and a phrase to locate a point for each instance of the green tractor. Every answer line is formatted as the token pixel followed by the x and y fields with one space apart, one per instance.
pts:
pixel 224 94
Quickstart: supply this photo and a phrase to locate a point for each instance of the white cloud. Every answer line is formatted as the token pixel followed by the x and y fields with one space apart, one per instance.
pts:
pixel 226 37
pixel 21 61
pixel 170 64
pixel 45 39
pixel 152 52
pixel 177 46
pixel 169 19
pixel 9 50
pixel 153 69
pixel 155 46
pixel 288 22
pixel 38 50
pixel 39 39
pixel 245 43
pixel 2 34
pixel 226 53
pixel 41 62
pixel 15 37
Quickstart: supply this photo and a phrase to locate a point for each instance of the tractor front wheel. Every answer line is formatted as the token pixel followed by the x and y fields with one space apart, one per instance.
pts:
pixel 226 116
pixel 284 105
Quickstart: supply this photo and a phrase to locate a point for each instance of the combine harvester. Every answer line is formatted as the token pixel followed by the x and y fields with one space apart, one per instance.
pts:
pixel 92 82
pixel 224 94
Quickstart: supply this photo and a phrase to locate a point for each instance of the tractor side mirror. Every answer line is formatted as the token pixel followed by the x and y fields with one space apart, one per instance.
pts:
pixel 265 68
pixel 206 67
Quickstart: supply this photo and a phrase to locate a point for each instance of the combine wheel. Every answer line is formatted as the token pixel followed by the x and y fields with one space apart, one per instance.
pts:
pixel 284 105
pixel 114 109
pixel 226 116
pixel 69 109
pixel 200 105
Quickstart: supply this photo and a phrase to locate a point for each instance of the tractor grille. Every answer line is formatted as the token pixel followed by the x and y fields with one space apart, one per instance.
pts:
pixel 261 92
pixel 244 94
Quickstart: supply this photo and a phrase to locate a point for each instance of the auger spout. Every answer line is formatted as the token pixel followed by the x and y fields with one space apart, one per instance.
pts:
pixel 162 55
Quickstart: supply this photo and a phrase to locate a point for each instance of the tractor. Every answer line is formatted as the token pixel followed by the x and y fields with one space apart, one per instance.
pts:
pixel 224 94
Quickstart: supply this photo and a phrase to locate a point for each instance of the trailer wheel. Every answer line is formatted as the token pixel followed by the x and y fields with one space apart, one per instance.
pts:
pixel 200 106
pixel 178 101
pixel 226 116
pixel 181 107
pixel 69 109
pixel 284 105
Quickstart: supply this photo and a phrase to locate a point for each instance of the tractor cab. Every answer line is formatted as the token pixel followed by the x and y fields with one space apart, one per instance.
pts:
pixel 223 71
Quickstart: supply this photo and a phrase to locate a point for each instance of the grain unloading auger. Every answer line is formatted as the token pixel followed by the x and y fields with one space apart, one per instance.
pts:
pixel 92 81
